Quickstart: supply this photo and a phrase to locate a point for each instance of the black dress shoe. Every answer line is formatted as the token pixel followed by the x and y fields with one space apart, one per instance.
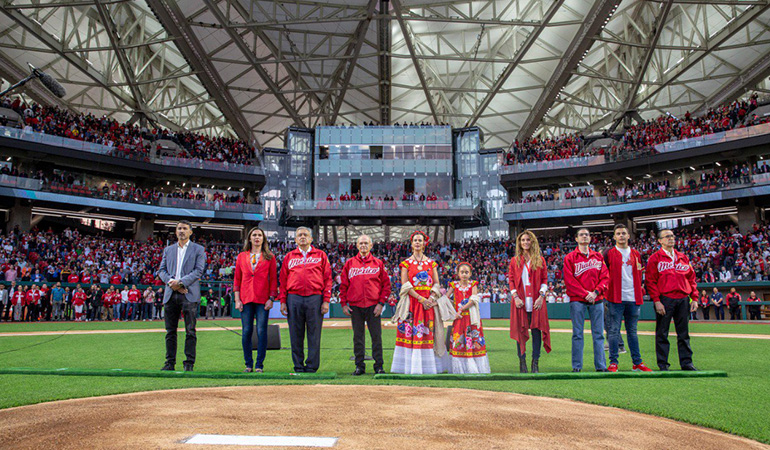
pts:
pixel 602 370
pixel 690 368
pixel 663 369
pixel 380 370
pixel 188 367
pixel 358 372
pixel 522 365
pixel 167 366
pixel 576 370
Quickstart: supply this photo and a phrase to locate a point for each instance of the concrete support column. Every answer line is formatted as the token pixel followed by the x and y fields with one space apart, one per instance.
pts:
pixel 21 216
pixel 435 233
pixel 144 227
pixel 747 215
pixel 334 233
pixel 387 233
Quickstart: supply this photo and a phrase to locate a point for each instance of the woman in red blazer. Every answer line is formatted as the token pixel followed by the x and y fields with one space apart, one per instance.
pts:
pixel 528 281
pixel 255 287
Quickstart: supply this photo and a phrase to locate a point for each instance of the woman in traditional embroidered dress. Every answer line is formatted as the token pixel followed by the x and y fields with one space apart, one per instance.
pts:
pixel 528 280
pixel 414 351
pixel 468 347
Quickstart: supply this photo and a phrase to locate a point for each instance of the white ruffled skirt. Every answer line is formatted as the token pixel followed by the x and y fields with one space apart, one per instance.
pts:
pixel 416 361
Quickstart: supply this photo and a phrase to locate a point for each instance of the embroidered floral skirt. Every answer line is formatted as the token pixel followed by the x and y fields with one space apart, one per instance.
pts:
pixel 468 348
pixel 414 343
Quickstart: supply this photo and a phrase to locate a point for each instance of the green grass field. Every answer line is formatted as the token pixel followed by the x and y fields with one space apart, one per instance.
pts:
pixel 737 404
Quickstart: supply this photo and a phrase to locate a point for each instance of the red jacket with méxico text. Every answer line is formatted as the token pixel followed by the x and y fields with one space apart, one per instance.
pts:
pixel 134 295
pixel 614 261
pixel 18 297
pixel 258 285
pixel 364 282
pixel 33 297
pixel 585 273
pixel 310 275
pixel 520 324
pixel 673 278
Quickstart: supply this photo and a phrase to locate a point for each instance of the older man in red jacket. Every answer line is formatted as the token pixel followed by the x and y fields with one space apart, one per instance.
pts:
pixel 671 284
pixel 306 288
pixel 364 289
pixel 586 278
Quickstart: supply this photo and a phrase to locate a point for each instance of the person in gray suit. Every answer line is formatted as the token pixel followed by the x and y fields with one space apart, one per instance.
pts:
pixel 181 269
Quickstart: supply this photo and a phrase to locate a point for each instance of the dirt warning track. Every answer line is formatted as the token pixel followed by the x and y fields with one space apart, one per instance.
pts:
pixel 361 417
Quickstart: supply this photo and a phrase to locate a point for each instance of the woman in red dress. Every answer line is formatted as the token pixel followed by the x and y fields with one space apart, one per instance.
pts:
pixel 528 281
pixel 468 346
pixel 414 352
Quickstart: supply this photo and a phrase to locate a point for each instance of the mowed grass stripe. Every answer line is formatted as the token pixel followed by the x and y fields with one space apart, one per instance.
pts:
pixel 733 404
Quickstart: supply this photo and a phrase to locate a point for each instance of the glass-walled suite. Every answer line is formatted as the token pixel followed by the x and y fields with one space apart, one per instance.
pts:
pixel 379 185
pixel 384 143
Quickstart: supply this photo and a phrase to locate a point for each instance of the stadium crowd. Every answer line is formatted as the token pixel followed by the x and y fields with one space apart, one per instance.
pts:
pixel 716 254
pixel 129 141
pixel 640 137
pixel 707 180
pixel 71 183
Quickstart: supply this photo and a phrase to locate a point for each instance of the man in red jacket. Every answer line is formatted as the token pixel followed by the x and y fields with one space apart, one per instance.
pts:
pixel 586 278
pixel 671 284
pixel 624 297
pixel 306 288
pixel 364 289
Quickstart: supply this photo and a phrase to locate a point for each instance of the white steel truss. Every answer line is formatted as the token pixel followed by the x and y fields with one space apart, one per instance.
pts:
pixel 515 68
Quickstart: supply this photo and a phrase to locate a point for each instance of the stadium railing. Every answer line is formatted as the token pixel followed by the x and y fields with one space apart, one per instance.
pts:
pixel 99 149
pixel 757 180
pixel 384 205
pixel 666 147
pixel 171 202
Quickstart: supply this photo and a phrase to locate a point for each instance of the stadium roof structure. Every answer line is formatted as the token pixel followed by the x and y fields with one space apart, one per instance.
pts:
pixel 515 68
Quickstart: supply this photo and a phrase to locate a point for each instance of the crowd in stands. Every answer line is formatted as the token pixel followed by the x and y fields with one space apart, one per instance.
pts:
pixel 128 140
pixel 71 183
pixel 406 197
pixel 707 180
pixel 716 254
pixel 640 137
pixel 397 124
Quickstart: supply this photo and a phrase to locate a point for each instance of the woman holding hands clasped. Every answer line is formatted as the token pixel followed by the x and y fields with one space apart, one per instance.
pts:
pixel 255 287
pixel 420 333
pixel 528 281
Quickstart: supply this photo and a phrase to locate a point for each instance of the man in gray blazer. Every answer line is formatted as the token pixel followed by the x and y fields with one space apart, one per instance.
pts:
pixel 181 269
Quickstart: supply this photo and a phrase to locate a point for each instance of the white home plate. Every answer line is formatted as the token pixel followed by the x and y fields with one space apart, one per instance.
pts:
pixel 262 441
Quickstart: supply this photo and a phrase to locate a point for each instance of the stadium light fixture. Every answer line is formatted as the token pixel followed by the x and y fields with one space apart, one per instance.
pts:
pixel 669 172
pixel 629 179
pixel 168 183
pixel 184 184
pixel 691 167
pixel 718 164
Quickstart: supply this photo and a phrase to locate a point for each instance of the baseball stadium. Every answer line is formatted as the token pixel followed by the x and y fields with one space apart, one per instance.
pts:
pixel 384 224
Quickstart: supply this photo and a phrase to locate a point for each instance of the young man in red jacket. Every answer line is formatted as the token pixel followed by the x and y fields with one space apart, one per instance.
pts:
pixel 306 288
pixel 586 278
pixel 364 289
pixel 671 284
pixel 624 297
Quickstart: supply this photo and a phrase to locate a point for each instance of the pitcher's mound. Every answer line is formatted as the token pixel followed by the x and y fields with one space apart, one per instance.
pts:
pixel 361 417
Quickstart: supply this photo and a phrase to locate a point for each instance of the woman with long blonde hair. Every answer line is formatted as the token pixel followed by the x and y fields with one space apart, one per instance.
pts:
pixel 528 281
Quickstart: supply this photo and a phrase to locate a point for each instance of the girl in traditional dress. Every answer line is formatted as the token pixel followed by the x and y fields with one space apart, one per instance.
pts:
pixel 468 347
pixel 528 280
pixel 414 352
